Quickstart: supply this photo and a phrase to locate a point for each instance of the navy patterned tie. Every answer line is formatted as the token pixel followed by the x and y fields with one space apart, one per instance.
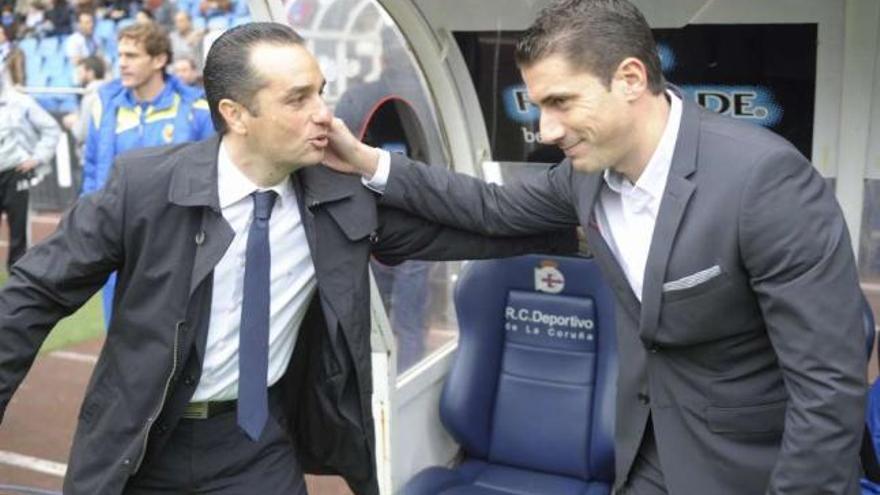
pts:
pixel 253 350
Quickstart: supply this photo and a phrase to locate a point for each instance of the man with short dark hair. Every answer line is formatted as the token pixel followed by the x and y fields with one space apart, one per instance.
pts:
pixel 238 355
pixel 741 349
pixel 89 74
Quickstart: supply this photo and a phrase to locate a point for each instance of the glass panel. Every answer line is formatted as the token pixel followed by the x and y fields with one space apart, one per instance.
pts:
pixel 375 86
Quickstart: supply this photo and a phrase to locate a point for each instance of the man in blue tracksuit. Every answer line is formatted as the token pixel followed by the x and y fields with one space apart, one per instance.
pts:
pixel 144 107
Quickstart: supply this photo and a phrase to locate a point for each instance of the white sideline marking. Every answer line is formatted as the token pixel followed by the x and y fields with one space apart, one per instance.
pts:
pixel 33 463
pixel 75 356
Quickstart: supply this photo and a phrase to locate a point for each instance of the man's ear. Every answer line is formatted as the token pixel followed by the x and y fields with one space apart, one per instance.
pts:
pixel 233 113
pixel 631 78
pixel 160 61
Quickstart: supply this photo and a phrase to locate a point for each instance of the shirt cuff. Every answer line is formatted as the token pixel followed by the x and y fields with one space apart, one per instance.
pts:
pixel 380 178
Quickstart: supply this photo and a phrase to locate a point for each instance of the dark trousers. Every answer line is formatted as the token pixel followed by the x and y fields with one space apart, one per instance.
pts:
pixel 214 456
pixel 14 202
pixel 646 477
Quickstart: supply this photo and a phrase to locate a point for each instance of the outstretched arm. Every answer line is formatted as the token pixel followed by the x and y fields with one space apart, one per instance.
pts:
pixel 56 277
pixel 540 203
pixel 402 236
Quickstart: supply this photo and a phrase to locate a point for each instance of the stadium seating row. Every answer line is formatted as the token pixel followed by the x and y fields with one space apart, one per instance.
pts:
pixel 47 65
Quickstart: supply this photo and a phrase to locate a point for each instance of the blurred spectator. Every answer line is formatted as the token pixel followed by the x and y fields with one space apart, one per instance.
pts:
pixel 28 136
pixel 61 18
pixel 118 9
pixel 12 57
pixel 35 22
pixel 80 6
pixel 7 16
pixel 212 8
pixel 89 74
pixel 144 16
pixel 142 108
pixel 186 41
pixel 163 12
pixel 82 43
pixel 186 70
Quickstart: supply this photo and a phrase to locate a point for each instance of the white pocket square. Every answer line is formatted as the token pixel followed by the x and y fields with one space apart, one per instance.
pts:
pixel 692 280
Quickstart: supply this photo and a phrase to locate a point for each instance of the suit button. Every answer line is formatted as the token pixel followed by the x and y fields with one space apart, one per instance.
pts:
pixel 644 399
pixel 374 237
pixel 189 380
pixel 653 349
pixel 200 238
pixel 126 462
pixel 162 428
pixel 182 326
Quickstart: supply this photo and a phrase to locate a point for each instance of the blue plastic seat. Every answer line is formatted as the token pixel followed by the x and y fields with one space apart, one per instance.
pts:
pixel 530 396
pixel 49 46
pixel 105 29
pixel 29 47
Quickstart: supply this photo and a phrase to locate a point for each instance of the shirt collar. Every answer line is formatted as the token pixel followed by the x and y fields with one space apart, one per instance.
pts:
pixel 163 100
pixel 652 182
pixel 233 186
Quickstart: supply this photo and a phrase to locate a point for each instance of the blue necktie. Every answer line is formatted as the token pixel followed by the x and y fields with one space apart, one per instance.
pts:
pixel 253 350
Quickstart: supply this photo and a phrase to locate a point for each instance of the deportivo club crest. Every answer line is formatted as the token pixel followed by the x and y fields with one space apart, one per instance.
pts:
pixel 168 133
pixel 548 278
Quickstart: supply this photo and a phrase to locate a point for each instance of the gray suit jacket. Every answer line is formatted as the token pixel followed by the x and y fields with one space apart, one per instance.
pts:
pixel 746 350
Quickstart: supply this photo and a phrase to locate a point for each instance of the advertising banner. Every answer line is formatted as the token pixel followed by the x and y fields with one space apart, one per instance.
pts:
pixel 760 73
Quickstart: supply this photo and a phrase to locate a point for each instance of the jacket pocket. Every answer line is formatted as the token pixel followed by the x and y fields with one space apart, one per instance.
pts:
pixel 693 290
pixel 760 418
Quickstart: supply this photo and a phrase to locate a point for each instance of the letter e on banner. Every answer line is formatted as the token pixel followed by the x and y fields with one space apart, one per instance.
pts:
pixel 548 278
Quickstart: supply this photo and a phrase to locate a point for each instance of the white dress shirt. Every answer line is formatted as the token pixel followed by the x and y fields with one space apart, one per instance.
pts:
pixel 626 212
pixel 292 283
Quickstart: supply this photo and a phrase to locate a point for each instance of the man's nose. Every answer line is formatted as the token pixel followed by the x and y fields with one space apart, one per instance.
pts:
pixel 550 129
pixel 323 115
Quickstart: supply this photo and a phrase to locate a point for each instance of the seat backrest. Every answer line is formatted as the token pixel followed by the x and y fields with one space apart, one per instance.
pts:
pixel 533 381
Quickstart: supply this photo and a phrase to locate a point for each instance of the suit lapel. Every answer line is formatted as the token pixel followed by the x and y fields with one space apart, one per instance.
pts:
pixel 676 197
pixel 194 184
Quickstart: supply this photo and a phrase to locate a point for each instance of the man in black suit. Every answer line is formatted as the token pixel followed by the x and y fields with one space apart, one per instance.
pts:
pixel 238 355
pixel 739 311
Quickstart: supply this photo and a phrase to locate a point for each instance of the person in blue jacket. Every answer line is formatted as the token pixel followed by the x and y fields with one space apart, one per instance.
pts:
pixel 143 107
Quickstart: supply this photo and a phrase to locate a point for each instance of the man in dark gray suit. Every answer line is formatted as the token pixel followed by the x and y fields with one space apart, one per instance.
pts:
pixel 238 355
pixel 741 354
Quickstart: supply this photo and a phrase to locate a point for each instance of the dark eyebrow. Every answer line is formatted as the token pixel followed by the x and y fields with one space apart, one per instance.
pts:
pixel 555 96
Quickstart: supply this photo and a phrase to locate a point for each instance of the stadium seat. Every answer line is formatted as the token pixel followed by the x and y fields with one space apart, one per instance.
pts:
pixel 105 29
pixel 50 45
pixel 240 8
pixel 28 46
pixel 530 396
